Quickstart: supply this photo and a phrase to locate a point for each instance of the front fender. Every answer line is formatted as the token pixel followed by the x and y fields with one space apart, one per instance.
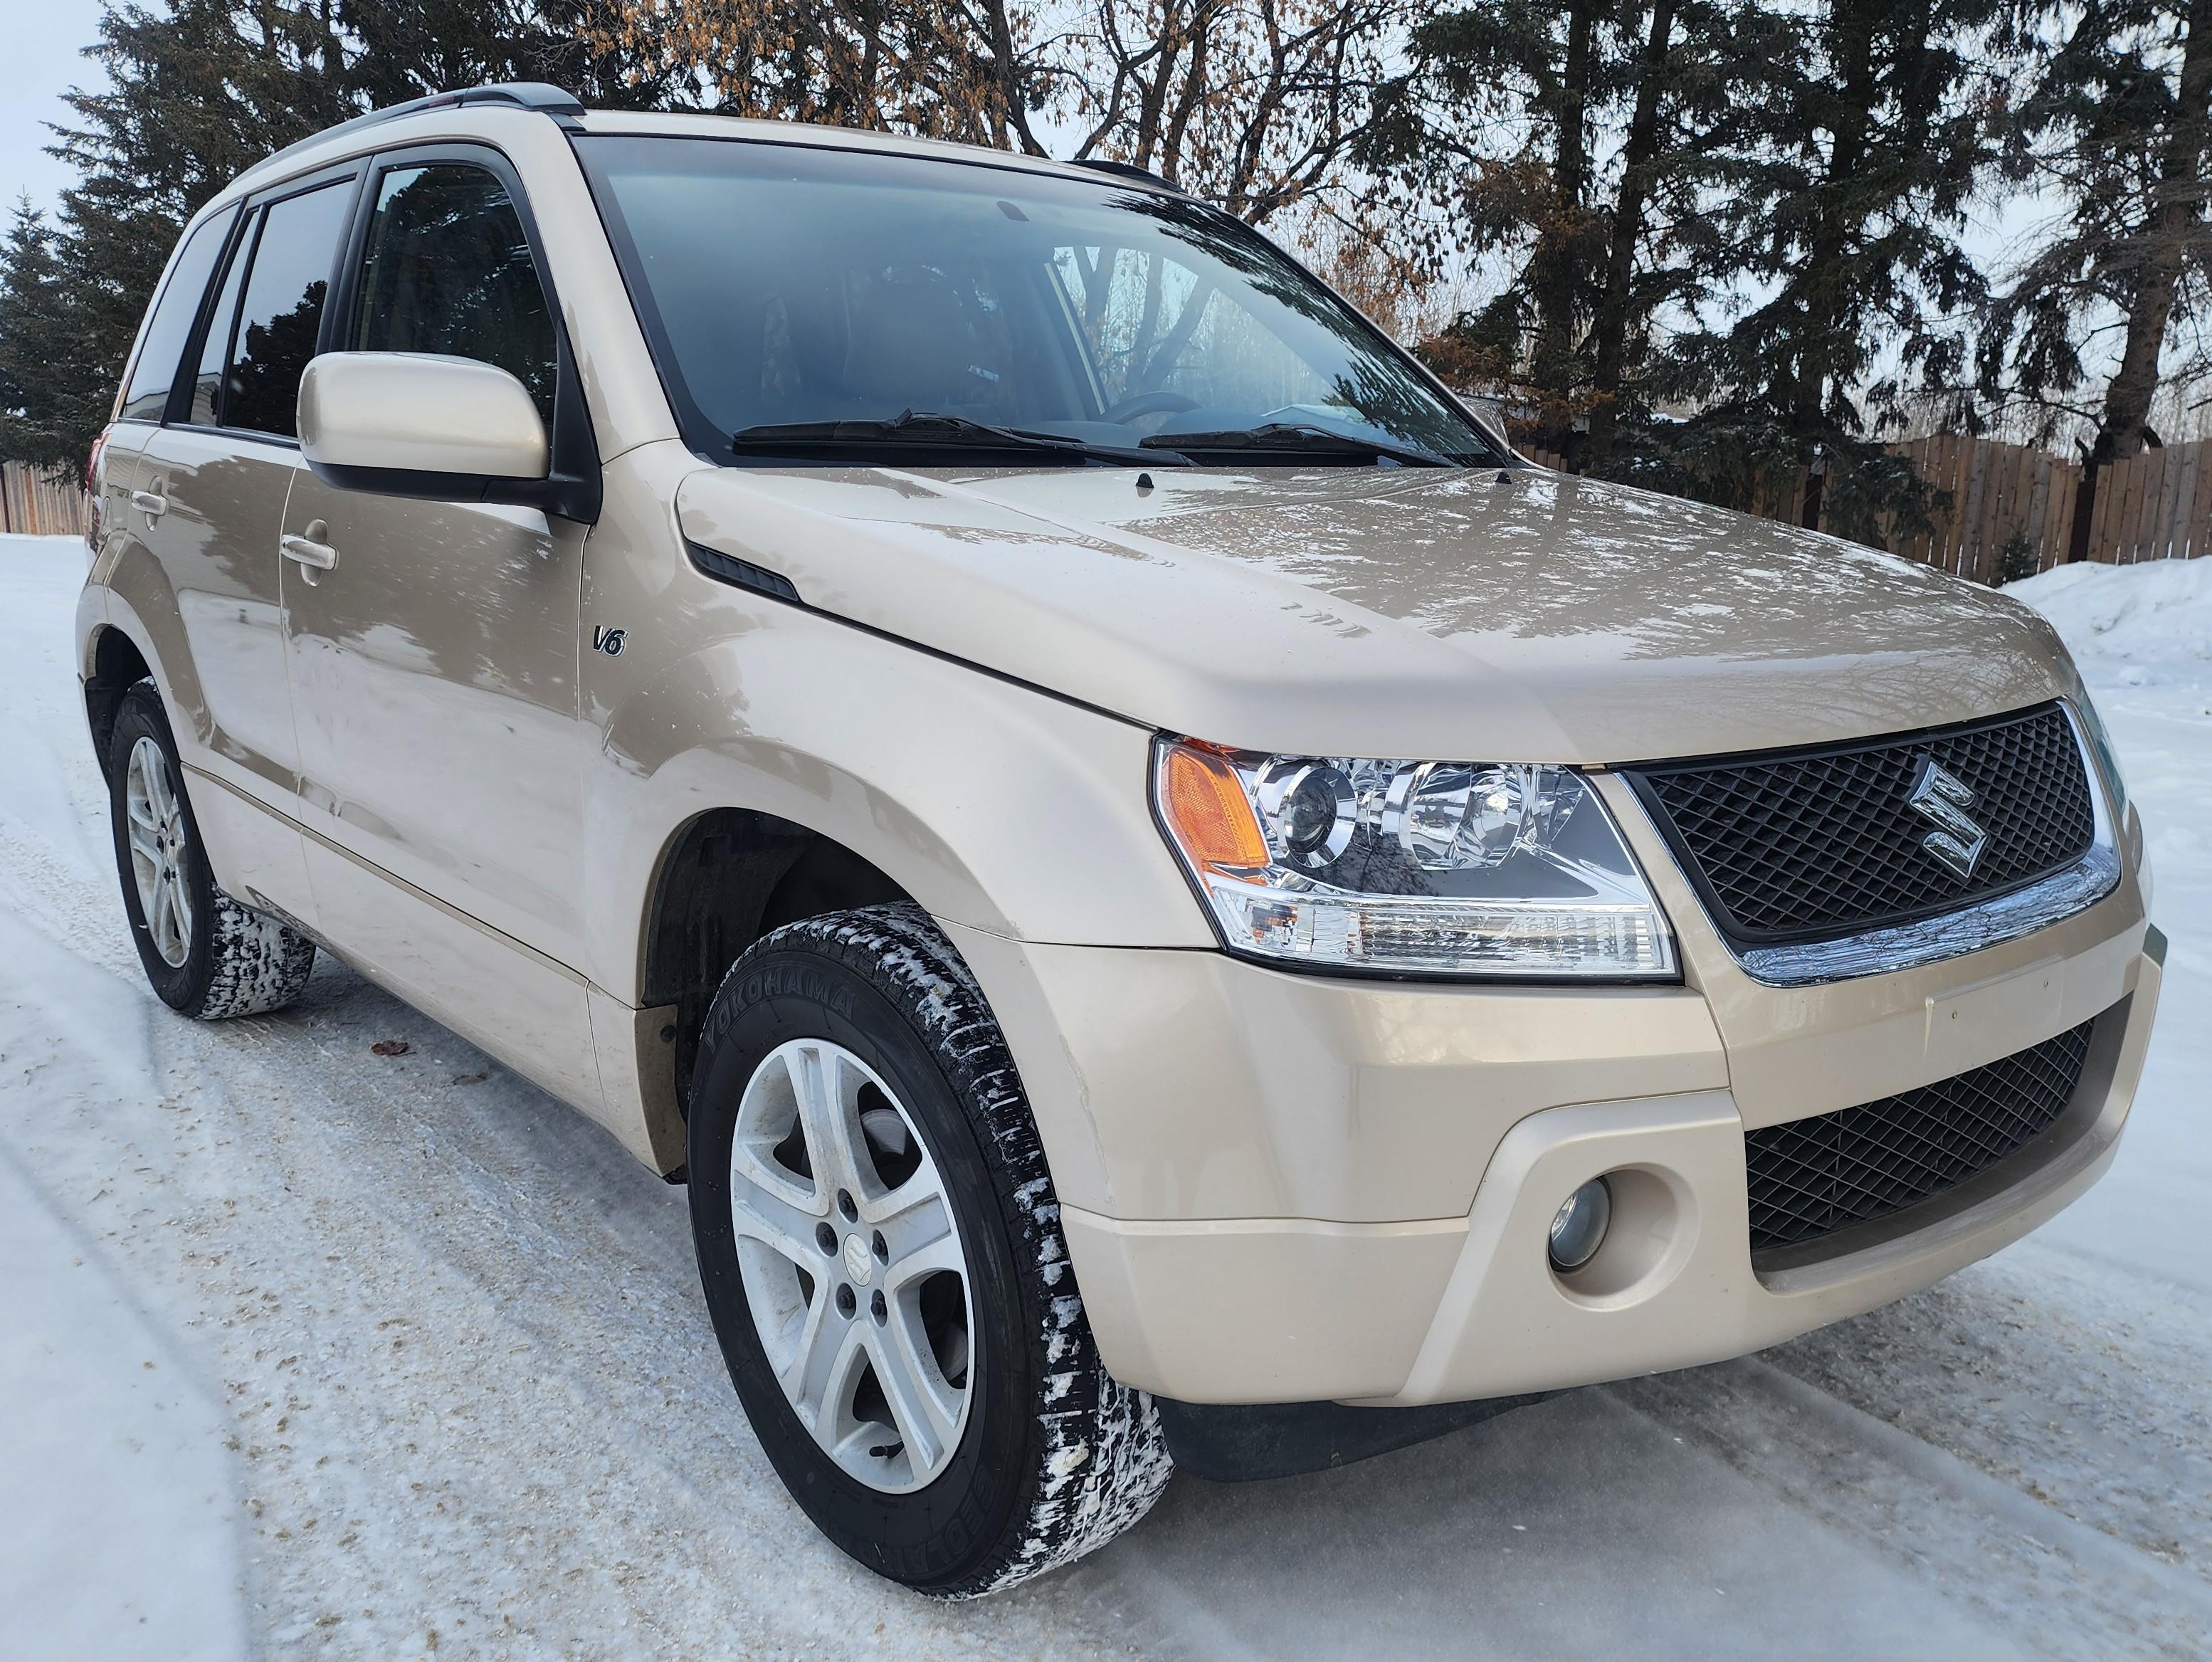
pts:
pixel 993 805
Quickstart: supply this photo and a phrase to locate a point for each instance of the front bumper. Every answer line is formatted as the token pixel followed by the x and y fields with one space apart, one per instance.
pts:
pixel 1279 1188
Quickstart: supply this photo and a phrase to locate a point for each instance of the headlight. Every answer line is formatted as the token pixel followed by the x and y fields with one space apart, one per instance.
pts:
pixel 1411 868
pixel 2107 758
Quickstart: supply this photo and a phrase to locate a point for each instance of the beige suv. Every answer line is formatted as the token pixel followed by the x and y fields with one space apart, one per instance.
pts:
pixel 1173 901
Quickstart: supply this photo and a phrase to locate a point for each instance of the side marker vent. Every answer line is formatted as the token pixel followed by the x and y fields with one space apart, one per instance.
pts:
pixel 742 574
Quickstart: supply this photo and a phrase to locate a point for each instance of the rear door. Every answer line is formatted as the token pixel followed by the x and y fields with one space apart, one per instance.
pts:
pixel 128 563
pixel 212 481
pixel 154 370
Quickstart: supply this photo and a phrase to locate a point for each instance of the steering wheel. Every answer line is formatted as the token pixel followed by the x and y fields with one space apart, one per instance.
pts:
pixel 1149 403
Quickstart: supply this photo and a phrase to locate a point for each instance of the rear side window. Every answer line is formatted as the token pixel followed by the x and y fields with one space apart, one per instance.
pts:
pixel 214 347
pixel 282 311
pixel 166 331
pixel 447 268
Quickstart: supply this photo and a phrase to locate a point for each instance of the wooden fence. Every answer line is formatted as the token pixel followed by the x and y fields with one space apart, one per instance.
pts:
pixel 1998 492
pixel 33 503
pixel 2156 506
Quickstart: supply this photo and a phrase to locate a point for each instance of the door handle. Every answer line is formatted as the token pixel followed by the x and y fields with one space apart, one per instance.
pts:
pixel 152 503
pixel 309 552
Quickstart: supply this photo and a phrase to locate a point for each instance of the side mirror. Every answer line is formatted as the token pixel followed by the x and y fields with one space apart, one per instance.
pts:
pixel 415 425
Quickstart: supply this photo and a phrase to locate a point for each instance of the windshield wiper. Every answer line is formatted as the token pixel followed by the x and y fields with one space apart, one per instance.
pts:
pixel 1296 438
pixel 920 429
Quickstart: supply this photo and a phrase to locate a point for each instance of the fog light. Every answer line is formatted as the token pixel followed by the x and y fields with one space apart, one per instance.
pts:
pixel 1579 1227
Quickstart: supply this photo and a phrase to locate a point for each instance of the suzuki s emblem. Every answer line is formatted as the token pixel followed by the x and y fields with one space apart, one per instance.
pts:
pixel 1942 798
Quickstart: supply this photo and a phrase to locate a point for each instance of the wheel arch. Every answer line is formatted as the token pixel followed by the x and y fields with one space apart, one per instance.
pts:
pixel 138 622
pixel 113 663
pixel 725 878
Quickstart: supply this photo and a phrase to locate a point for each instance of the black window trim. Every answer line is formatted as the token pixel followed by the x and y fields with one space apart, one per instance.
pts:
pixel 249 225
pixel 572 486
pixel 245 240
pixel 192 228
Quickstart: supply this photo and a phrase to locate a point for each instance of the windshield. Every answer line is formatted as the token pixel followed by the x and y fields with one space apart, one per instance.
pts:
pixel 781 284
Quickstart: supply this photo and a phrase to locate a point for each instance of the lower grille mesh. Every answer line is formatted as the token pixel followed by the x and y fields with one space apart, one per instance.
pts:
pixel 1811 1176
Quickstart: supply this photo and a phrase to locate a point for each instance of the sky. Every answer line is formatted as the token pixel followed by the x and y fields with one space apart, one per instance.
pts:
pixel 40 62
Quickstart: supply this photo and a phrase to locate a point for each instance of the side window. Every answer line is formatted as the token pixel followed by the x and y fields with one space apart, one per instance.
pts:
pixel 283 309
pixel 447 269
pixel 171 325
pixel 214 347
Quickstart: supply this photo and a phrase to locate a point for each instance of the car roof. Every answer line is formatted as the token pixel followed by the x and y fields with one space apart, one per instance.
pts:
pixel 471 115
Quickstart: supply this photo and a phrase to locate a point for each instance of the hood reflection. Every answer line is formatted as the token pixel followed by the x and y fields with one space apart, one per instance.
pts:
pixel 1476 614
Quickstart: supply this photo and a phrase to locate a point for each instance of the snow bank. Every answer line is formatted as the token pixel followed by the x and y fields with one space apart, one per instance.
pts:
pixel 2143 637
pixel 2131 625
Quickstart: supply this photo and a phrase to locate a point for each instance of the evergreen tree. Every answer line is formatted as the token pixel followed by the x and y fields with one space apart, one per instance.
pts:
pixel 1528 73
pixel 194 98
pixel 1838 197
pixel 38 421
pixel 2113 119
pixel 1612 102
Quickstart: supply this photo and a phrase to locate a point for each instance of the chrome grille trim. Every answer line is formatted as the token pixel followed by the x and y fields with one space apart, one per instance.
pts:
pixel 1985 923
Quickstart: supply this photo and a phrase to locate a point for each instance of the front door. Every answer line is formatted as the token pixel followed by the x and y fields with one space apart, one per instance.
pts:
pixel 434 657
pixel 433 665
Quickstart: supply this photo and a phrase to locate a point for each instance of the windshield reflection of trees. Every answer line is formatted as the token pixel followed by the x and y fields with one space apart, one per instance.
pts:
pixel 1382 390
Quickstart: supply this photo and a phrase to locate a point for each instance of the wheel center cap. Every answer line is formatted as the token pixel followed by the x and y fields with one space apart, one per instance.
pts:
pixel 860 1263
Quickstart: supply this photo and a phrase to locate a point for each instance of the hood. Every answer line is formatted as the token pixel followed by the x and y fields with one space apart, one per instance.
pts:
pixel 1463 616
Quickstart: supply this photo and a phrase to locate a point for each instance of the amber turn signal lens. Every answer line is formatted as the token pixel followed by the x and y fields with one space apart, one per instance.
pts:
pixel 1207 810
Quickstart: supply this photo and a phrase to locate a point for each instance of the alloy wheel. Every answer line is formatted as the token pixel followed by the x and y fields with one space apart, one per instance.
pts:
pixel 159 838
pixel 851 1264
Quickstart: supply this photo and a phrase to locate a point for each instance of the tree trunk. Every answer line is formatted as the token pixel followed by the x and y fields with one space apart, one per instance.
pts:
pixel 1638 159
pixel 2126 419
pixel 1152 96
pixel 2085 509
pixel 1012 116
pixel 1553 274
pixel 1808 509
pixel 1853 24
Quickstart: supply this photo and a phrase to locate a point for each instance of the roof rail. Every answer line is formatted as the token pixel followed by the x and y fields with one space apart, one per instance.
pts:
pixel 540 95
pixel 1129 170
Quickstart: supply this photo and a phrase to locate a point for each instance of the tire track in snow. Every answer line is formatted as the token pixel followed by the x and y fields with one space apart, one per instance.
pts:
pixel 2056 1586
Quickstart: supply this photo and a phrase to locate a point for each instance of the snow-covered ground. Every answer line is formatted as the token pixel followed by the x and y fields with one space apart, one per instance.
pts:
pixel 305 1351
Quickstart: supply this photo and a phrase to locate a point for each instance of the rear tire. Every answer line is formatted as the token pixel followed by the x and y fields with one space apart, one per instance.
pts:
pixel 1039 1455
pixel 205 955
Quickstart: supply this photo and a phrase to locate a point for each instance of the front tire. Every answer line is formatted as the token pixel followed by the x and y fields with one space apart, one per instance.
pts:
pixel 880 1250
pixel 205 955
